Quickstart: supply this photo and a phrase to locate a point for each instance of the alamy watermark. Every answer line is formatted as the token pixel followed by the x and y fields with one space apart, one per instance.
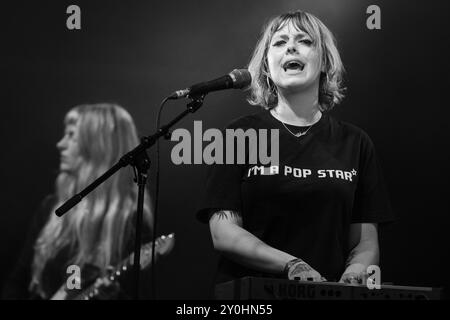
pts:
pixel 73 21
pixel 74 279
pixel 373 22
pixel 241 147
pixel 374 277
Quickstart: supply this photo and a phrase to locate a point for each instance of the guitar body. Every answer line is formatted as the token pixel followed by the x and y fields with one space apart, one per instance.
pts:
pixel 104 285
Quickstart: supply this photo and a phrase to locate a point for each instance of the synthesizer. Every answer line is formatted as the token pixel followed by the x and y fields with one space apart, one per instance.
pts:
pixel 254 288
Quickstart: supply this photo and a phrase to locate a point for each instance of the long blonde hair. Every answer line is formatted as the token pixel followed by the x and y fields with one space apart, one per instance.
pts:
pixel 97 230
pixel 263 91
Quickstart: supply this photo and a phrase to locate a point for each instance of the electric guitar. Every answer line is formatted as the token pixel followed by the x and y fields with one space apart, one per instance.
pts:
pixel 163 246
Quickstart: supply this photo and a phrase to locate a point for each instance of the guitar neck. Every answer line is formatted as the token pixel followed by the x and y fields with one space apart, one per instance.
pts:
pixel 114 275
pixel 163 245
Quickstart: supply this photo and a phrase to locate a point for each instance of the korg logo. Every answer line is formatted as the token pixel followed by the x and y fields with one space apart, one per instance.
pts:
pixel 291 291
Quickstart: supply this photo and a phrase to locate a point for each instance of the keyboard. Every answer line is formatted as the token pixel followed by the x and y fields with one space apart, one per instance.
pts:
pixel 254 288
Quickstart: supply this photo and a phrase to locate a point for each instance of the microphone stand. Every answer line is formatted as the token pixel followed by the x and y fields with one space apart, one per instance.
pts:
pixel 139 160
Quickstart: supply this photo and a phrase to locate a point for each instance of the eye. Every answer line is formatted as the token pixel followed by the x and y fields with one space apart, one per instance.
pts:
pixel 306 41
pixel 70 133
pixel 279 43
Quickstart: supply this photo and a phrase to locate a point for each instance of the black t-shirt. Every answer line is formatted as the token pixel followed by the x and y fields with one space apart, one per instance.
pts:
pixel 324 181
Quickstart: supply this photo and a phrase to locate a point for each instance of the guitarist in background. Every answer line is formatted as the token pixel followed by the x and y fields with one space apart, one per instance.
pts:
pixel 97 233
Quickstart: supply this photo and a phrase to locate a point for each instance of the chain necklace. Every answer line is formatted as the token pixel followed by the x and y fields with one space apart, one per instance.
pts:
pixel 298 135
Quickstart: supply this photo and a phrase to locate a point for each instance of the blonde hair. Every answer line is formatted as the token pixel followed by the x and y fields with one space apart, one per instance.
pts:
pixel 263 91
pixel 100 228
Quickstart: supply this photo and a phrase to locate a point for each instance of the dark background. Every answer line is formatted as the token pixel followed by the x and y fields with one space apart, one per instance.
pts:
pixel 136 53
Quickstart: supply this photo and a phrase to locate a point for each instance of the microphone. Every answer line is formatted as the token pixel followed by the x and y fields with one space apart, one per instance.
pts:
pixel 236 79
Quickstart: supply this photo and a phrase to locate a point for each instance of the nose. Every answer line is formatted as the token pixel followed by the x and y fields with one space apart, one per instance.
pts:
pixel 291 48
pixel 61 145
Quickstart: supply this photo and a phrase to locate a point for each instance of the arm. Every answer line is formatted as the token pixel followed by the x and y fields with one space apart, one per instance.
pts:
pixel 363 241
pixel 232 240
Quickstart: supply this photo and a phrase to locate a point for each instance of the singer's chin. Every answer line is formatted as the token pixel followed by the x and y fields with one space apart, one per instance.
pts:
pixel 65 169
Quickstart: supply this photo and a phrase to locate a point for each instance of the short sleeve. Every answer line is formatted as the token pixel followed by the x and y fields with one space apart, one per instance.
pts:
pixel 372 202
pixel 222 190
pixel 222 183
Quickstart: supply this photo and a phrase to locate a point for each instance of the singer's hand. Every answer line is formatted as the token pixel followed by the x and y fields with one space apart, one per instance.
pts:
pixel 354 278
pixel 304 272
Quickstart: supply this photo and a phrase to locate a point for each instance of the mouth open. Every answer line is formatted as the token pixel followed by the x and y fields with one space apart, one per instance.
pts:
pixel 293 65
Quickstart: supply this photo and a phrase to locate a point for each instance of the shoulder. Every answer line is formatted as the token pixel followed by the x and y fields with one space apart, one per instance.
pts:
pixel 44 211
pixel 47 204
pixel 49 201
pixel 347 130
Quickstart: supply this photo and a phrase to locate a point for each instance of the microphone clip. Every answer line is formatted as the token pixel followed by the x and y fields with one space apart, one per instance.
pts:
pixel 196 102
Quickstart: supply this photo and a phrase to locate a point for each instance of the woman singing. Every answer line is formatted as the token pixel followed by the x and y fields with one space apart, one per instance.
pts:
pixel 99 231
pixel 314 215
